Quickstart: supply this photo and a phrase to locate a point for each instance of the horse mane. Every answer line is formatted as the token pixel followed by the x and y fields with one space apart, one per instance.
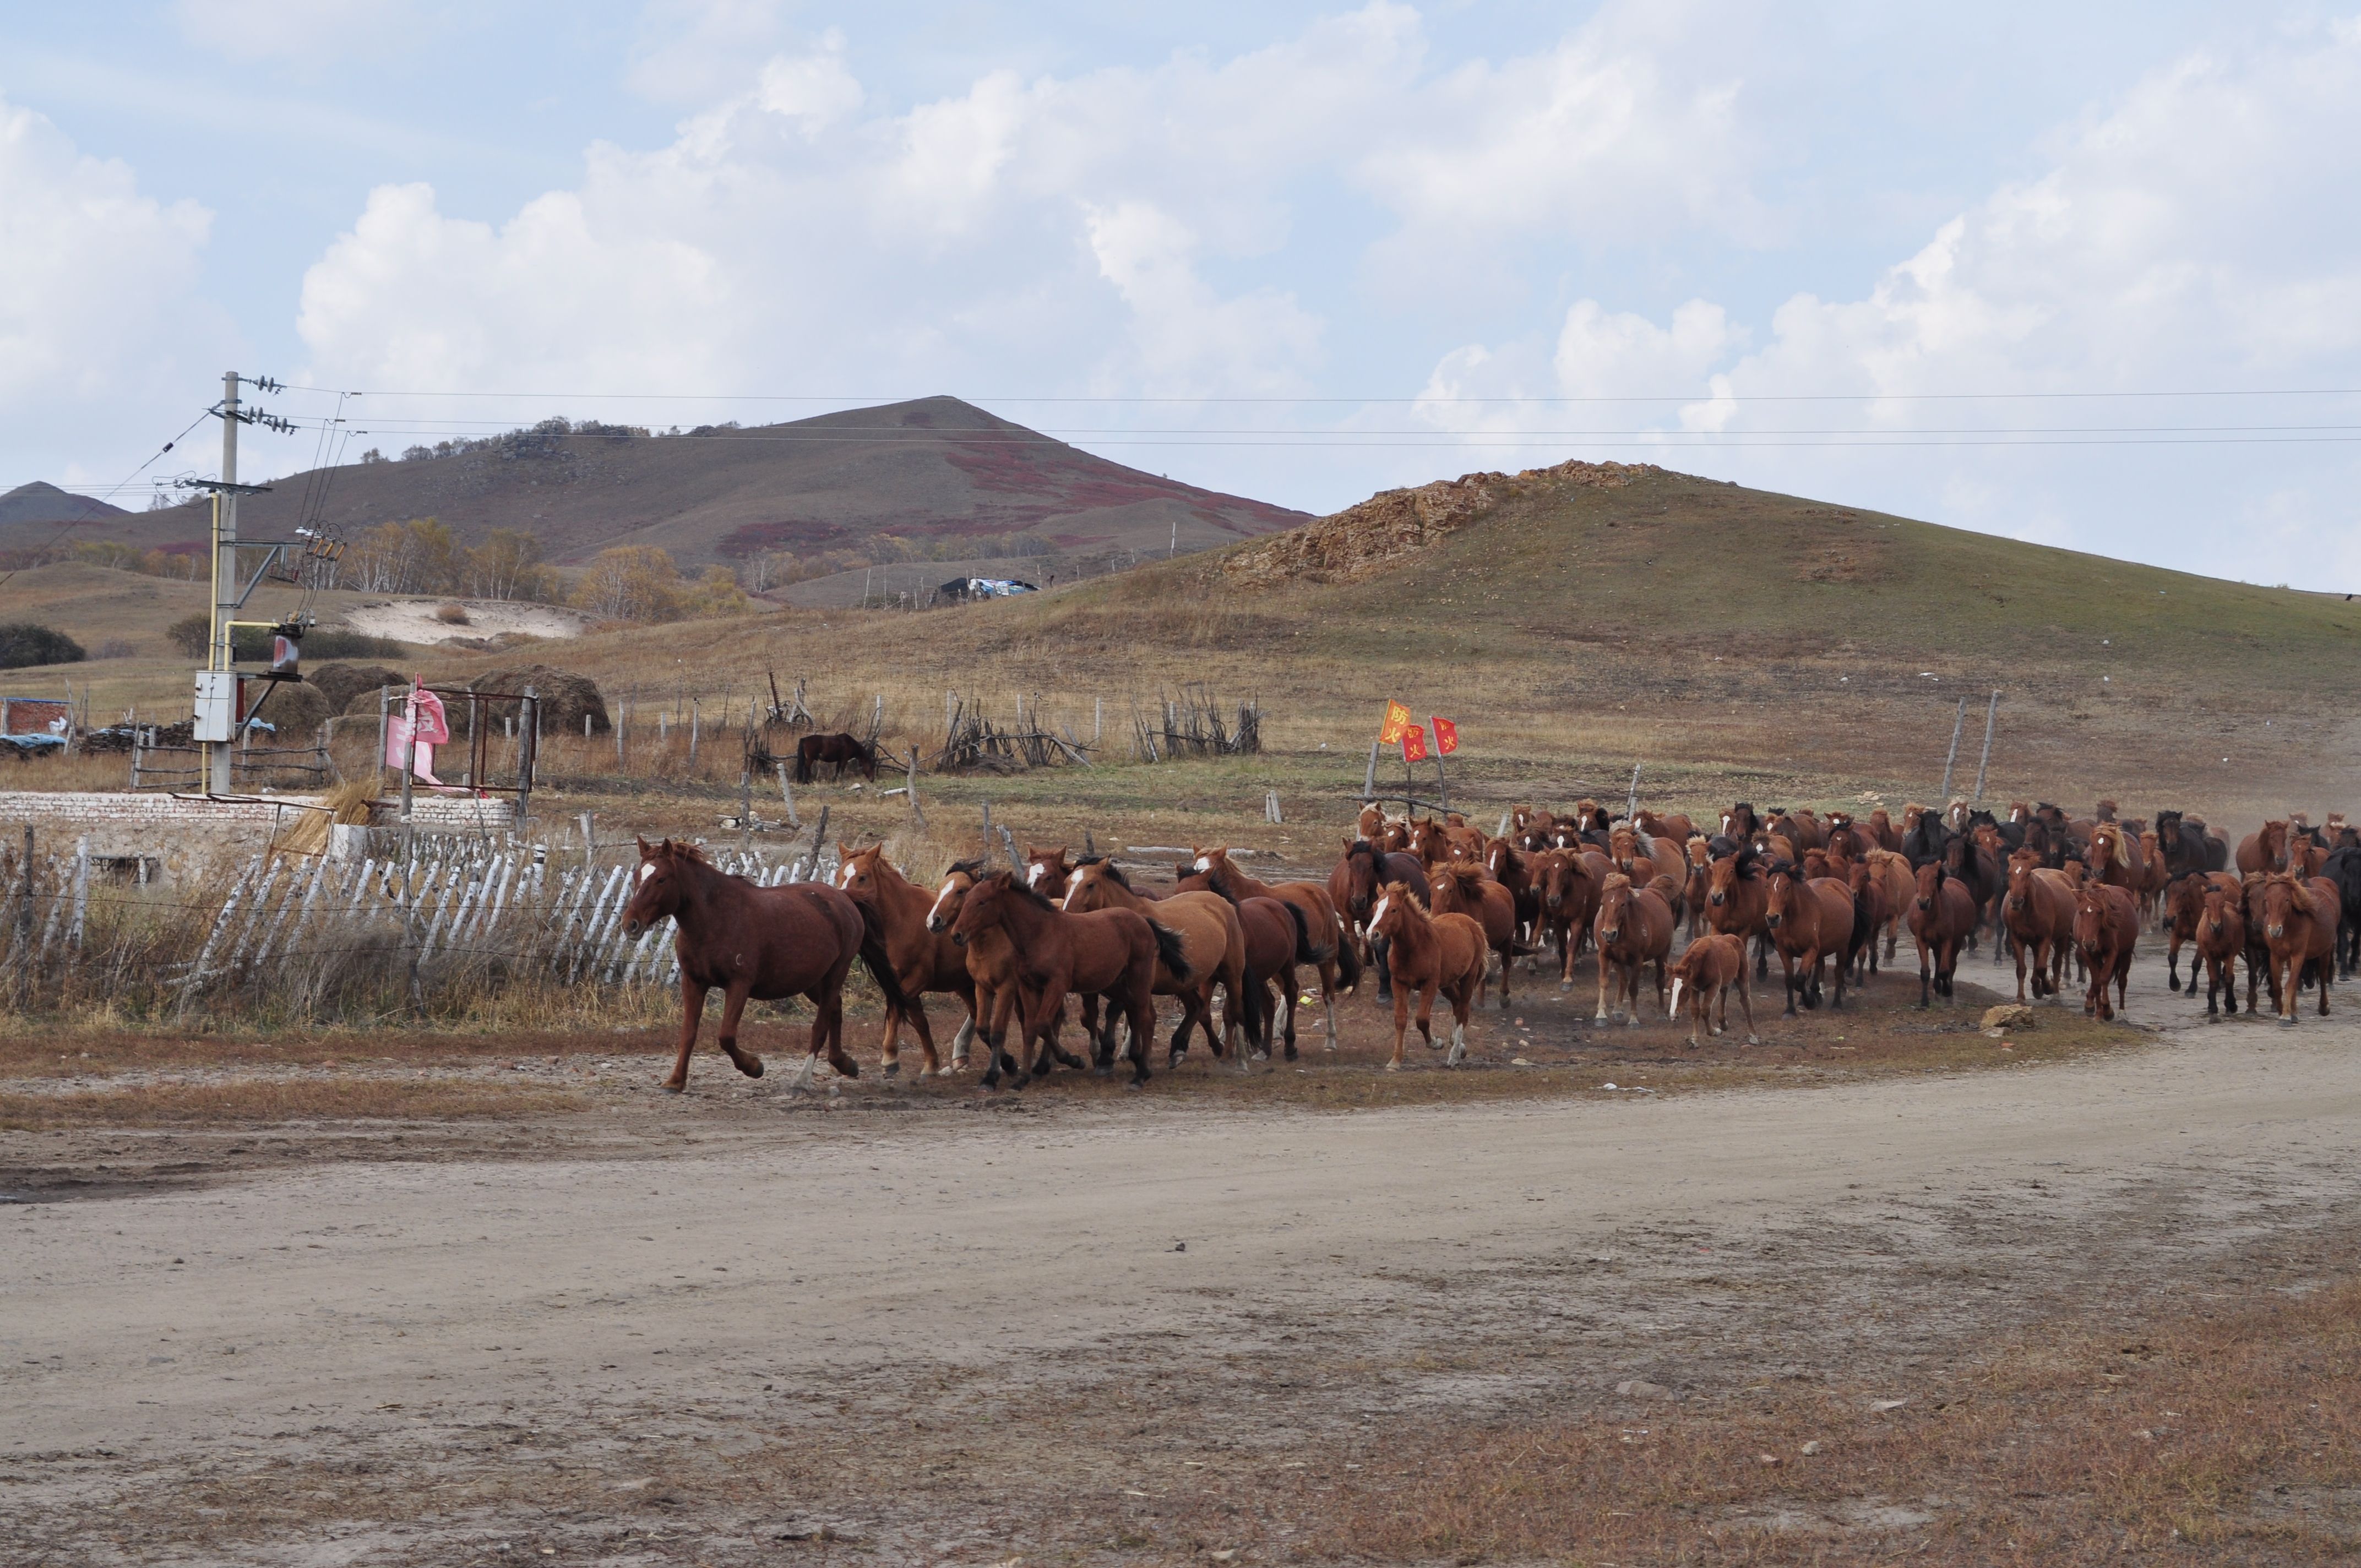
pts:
pixel 1469 878
pixel 682 849
pixel 2300 892
pixel 1748 859
pixel 1408 895
pixel 1040 899
pixel 1112 872
pixel 1360 848
pixel 973 870
pixel 1614 879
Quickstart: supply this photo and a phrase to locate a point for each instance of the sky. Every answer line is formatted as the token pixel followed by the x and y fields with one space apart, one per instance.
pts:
pixel 2085 275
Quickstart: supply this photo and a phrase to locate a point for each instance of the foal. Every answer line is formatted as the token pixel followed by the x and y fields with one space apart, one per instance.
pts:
pixel 1713 967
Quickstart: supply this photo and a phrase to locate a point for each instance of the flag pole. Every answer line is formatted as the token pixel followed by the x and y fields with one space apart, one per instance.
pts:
pixel 1440 780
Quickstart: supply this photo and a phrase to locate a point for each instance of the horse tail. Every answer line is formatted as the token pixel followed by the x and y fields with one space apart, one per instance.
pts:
pixel 1172 954
pixel 1348 963
pixel 1864 930
pixel 880 964
pixel 1305 953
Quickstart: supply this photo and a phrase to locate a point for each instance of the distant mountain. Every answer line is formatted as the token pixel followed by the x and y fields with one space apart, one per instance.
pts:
pixel 39 502
pixel 938 472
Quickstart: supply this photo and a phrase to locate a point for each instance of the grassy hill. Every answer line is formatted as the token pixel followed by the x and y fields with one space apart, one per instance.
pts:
pixel 943 475
pixel 1730 642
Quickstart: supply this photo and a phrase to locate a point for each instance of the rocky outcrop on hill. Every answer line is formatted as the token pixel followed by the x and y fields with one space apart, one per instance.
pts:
pixel 1364 540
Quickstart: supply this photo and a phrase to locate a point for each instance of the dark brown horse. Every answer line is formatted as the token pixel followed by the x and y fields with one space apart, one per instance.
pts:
pixel 839 749
pixel 1362 876
pixel 2184 909
pixel 1569 898
pixel 1941 916
pixel 1212 948
pixel 1513 870
pixel 1339 965
pixel 759 943
pixel 922 961
pixel 1111 953
pixel 1810 923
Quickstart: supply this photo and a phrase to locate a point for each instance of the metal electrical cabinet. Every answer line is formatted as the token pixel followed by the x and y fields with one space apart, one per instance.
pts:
pixel 217 706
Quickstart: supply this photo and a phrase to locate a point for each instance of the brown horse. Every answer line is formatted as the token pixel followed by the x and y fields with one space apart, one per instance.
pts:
pixel 2266 850
pixel 2038 910
pixel 1047 872
pixel 1699 850
pixel 1372 821
pixel 1430 954
pixel 1213 949
pixel 1514 871
pixel 1333 955
pixel 990 960
pixel 1942 913
pixel 1897 887
pixel 839 749
pixel 1569 898
pixel 1111 953
pixel 760 943
pixel 1737 896
pixel 1673 825
pixel 2184 908
pixel 1741 823
pixel 2106 929
pixel 1713 967
pixel 2153 877
pixel 1810 923
pixel 2299 918
pixel 922 961
pixel 1643 858
pixel 1277 940
pixel 1885 834
pixel 1846 837
pixel 1457 889
pixel 2116 859
pixel 2220 935
pixel 1633 929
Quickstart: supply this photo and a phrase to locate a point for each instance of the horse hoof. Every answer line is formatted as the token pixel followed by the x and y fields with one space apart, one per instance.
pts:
pixel 1103 1072
pixel 1753 1039
pixel 751 1065
pixel 892 1069
pixel 672 1088
pixel 2286 1022
pixel 1393 1066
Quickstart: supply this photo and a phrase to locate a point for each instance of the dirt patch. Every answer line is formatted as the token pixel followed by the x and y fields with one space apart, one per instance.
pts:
pixel 1364 540
pixel 421 621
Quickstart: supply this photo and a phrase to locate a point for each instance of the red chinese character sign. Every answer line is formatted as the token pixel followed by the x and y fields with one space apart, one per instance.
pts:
pixel 1397 721
pixel 1414 742
pixel 1446 737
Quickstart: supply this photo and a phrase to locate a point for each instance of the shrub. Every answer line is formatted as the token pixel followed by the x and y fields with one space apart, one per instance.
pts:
pixel 452 614
pixel 23 644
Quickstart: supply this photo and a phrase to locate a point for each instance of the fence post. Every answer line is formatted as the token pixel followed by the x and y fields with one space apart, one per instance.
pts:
pixel 916 815
pixel 787 794
pixel 1369 779
pixel 746 808
pixel 1958 724
pixel 25 911
pixel 528 753
pixel 1991 711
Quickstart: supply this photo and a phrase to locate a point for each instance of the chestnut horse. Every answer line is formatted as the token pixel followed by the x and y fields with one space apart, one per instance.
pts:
pixel 1898 887
pixel 2299 918
pixel 2184 905
pixel 922 961
pixel 1362 876
pixel 757 943
pixel 1212 949
pixel 1111 953
pixel 1713 967
pixel 1513 870
pixel 1440 953
pixel 2221 940
pixel 1047 872
pixel 2265 851
pixel 1465 890
pixel 1941 915
pixel 2106 930
pixel 2038 910
pixel 1569 898
pixel 1736 897
pixel 1810 923
pixel 1633 929
pixel 990 960
pixel 1332 954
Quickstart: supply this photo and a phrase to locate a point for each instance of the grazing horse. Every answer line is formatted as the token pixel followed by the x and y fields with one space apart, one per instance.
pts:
pixel 1434 953
pixel 1339 965
pixel 759 943
pixel 1212 949
pixel 1736 899
pixel 1713 967
pixel 1633 929
pixel 1113 953
pixel 2265 851
pixel 1466 889
pixel 2038 910
pixel 2184 905
pixel 839 749
pixel 1812 922
pixel 1941 915
pixel 922 961
pixel 2106 929
pixel 2221 934
pixel 2342 867
pixel 2299 919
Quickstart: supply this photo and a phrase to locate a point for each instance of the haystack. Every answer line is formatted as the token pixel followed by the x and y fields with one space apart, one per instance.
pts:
pixel 339 683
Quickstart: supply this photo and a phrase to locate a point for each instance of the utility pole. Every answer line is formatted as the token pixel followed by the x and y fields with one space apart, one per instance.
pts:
pixel 218 756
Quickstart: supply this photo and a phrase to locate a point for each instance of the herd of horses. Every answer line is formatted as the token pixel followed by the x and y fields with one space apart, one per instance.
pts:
pixel 1439 910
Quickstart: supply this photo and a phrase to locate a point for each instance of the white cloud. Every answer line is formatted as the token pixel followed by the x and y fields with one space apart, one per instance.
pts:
pixel 309 32
pixel 102 322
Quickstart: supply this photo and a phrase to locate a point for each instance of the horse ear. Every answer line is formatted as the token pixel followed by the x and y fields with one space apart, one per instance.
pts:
pixel 645 850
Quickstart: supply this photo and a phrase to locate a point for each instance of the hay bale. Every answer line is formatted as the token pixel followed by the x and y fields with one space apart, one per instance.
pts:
pixel 564 697
pixel 340 683
pixel 296 711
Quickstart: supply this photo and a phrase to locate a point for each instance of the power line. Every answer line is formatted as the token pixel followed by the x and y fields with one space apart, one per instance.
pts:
pixel 1701 397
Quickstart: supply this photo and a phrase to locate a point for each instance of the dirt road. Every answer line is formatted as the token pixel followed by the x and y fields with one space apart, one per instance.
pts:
pixel 839 1327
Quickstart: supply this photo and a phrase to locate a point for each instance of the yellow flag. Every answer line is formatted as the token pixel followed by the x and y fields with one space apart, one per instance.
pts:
pixel 1396 721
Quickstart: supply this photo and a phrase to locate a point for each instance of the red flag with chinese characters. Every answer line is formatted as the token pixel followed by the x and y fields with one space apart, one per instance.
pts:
pixel 1413 744
pixel 1397 721
pixel 1446 737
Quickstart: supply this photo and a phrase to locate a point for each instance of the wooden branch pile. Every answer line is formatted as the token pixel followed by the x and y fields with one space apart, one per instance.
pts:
pixel 973 743
pixel 1189 725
